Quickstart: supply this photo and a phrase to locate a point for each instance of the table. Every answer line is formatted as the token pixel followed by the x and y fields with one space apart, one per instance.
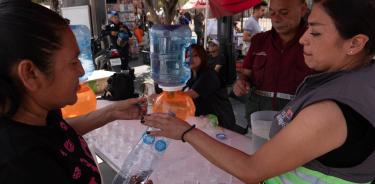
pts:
pixel 181 164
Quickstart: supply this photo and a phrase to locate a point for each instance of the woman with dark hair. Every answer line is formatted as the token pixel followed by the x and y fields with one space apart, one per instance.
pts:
pixel 208 91
pixel 326 134
pixel 39 74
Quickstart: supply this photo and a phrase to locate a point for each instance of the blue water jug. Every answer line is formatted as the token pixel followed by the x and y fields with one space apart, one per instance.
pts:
pixel 83 37
pixel 168 47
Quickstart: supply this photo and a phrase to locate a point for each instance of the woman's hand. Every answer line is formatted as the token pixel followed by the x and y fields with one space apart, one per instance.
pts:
pixel 169 125
pixel 132 108
pixel 138 180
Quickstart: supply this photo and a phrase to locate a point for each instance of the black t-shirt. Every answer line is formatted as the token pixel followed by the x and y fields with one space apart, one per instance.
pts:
pixel 54 153
pixel 213 98
pixel 359 143
pixel 219 60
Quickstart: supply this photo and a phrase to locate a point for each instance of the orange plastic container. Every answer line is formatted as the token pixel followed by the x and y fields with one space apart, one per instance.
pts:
pixel 86 102
pixel 177 102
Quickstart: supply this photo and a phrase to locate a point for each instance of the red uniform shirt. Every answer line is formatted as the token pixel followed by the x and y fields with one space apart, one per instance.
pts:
pixel 274 68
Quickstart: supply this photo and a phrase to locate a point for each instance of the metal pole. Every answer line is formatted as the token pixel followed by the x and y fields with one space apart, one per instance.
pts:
pixel 225 37
pixel 241 21
pixel 206 11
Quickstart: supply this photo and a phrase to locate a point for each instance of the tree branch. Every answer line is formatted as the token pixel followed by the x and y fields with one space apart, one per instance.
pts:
pixel 170 10
pixel 151 8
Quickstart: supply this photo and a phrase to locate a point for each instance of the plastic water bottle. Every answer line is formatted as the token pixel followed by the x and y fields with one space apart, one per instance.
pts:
pixel 142 160
pixel 168 47
pixel 83 37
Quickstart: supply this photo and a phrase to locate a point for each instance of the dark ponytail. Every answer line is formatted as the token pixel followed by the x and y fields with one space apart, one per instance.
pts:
pixel 28 31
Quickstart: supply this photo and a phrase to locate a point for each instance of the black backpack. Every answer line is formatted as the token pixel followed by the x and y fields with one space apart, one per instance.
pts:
pixel 120 86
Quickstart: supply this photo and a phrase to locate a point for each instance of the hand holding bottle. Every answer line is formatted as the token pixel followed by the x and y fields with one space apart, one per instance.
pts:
pixel 128 109
pixel 168 125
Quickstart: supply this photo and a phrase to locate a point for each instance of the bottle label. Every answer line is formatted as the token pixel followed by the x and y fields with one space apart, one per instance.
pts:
pixel 160 145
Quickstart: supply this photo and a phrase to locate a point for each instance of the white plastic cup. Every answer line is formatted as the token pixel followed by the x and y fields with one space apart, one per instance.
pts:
pixel 261 122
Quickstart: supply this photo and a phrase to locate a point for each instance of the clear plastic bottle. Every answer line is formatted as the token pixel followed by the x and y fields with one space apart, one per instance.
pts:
pixel 83 37
pixel 176 102
pixel 142 160
pixel 86 102
pixel 168 46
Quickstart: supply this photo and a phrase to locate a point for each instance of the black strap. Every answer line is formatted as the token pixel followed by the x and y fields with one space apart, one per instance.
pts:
pixel 188 130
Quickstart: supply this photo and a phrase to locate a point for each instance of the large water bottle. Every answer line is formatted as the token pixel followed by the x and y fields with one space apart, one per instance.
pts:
pixel 142 160
pixel 168 46
pixel 83 37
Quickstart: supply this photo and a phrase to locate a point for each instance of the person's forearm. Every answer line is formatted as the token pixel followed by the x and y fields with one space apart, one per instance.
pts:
pixel 86 123
pixel 235 162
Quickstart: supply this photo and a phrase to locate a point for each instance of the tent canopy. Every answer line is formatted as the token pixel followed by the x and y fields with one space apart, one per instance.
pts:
pixel 221 8
pixel 194 4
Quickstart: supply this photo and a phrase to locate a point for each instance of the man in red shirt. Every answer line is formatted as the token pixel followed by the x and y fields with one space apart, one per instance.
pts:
pixel 274 65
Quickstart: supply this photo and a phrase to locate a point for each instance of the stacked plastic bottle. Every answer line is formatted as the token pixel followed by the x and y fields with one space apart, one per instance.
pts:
pixel 83 37
pixel 169 69
pixel 143 159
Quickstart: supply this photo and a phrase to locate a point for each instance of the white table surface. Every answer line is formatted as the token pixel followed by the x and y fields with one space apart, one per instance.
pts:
pixel 181 164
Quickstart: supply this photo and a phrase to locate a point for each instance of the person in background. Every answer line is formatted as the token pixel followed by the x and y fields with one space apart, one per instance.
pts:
pixel 208 91
pixel 236 28
pixel 252 26
pixel 216 59
pixel 199 27
pixel 118 30
pixel 326 133
pixel 38 79
pixel 274 65
pixel 188 16
pixel 139 32
pixel 183 20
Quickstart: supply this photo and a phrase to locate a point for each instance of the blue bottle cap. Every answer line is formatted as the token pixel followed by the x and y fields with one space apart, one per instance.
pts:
pixel 221 136
pixel 160 145
pixel 148 139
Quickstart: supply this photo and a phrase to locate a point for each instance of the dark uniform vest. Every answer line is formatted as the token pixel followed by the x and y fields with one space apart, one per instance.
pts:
pixel 354 88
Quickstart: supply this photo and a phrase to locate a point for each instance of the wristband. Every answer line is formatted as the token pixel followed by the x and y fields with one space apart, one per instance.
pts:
pixel 188 130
